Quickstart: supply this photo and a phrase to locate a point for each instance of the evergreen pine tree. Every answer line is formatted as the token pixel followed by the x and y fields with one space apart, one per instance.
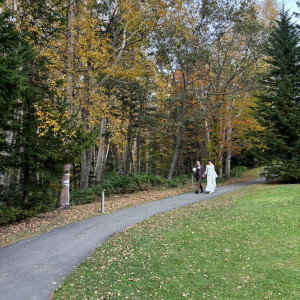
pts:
pixel 22 152
pixel 12 55
pixel 278 108
pixel 30 163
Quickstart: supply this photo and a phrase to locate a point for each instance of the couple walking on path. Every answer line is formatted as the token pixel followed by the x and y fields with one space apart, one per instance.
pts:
pixel 211 177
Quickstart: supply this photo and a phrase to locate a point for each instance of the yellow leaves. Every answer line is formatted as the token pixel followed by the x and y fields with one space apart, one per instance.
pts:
pixel 34 29
pixel 51 120
pixel 88 51
pixel 268 11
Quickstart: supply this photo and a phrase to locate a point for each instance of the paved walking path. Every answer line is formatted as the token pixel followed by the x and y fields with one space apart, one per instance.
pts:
pixel 34 267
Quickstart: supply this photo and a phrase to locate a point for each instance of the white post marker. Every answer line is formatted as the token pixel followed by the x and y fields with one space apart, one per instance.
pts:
pixel 102 202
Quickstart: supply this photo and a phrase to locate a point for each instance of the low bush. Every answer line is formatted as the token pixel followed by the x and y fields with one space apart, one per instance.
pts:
pixel 113 185
pixel 238 171
pixel 283 171
pixel 83 197
pixel 14 214
pixel 221 180
pixel 14 209
pixel 124 185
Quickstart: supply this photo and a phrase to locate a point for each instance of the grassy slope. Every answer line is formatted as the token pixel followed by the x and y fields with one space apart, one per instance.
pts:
pixel 243 245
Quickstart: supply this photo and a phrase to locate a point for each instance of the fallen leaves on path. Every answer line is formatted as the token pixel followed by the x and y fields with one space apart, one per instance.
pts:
pixel 45 222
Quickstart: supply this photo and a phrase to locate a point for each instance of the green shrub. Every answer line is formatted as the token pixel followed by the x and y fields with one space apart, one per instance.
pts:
pixel 14 209
pixel 238 171
pixel 14 214
pixel 283 171
pixel 112 185
pixel 156 180
pixel 124 185
pixel 83 197
pixel 221 180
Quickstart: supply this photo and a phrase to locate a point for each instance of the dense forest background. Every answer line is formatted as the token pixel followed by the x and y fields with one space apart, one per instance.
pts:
pixel 90 88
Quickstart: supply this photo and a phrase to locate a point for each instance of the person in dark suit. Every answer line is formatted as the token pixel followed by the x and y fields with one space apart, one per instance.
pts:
pixel 199 172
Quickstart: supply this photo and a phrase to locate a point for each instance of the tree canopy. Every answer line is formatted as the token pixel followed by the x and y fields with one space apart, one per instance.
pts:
pixel 90 88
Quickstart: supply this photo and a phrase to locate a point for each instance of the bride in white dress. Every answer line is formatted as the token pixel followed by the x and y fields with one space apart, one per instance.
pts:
pixel 211 177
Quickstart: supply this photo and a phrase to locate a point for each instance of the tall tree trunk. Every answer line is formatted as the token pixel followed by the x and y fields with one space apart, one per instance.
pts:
pixel 121 167
pixel 86 163
pixel 147 156
pixel 5 178
pixel 26 182
pixel 64 196
pixel 182 111
pixel 221 165
pixel 207 132
pixel 179 134
pixel 102 158
pixel 137 168
pixel 228 163
pixel 221 150
pixel 18 179
pixel 27 132
pixel 87 155
pixel 159 168
pixel 128 151
pixel 228 152
pixel 102 154
pixel 103 164
pixel 176 152
pixel 74 177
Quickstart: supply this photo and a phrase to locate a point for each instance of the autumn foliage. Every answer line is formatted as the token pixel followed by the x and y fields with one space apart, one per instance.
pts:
pixel 127 87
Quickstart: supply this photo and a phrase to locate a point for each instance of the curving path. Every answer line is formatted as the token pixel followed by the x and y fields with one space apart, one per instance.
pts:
pixel 33 268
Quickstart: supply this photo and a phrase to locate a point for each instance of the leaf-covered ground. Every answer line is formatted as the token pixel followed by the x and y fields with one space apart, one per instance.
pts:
pixel 53 219
pixel 241 245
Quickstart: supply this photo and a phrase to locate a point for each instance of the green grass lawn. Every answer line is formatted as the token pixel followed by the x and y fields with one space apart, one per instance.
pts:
pixel 243 245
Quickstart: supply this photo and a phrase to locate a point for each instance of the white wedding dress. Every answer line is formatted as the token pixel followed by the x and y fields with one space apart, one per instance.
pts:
pixel 211 178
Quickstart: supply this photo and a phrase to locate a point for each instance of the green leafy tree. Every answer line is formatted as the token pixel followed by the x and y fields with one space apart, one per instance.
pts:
pixel 278 107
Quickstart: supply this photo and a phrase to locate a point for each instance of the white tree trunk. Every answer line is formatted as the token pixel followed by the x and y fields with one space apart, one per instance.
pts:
pixel 64 195
pixel 228 163
pixel 207 131
pixel 101 160
pixel 229 152
pixel 103 150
